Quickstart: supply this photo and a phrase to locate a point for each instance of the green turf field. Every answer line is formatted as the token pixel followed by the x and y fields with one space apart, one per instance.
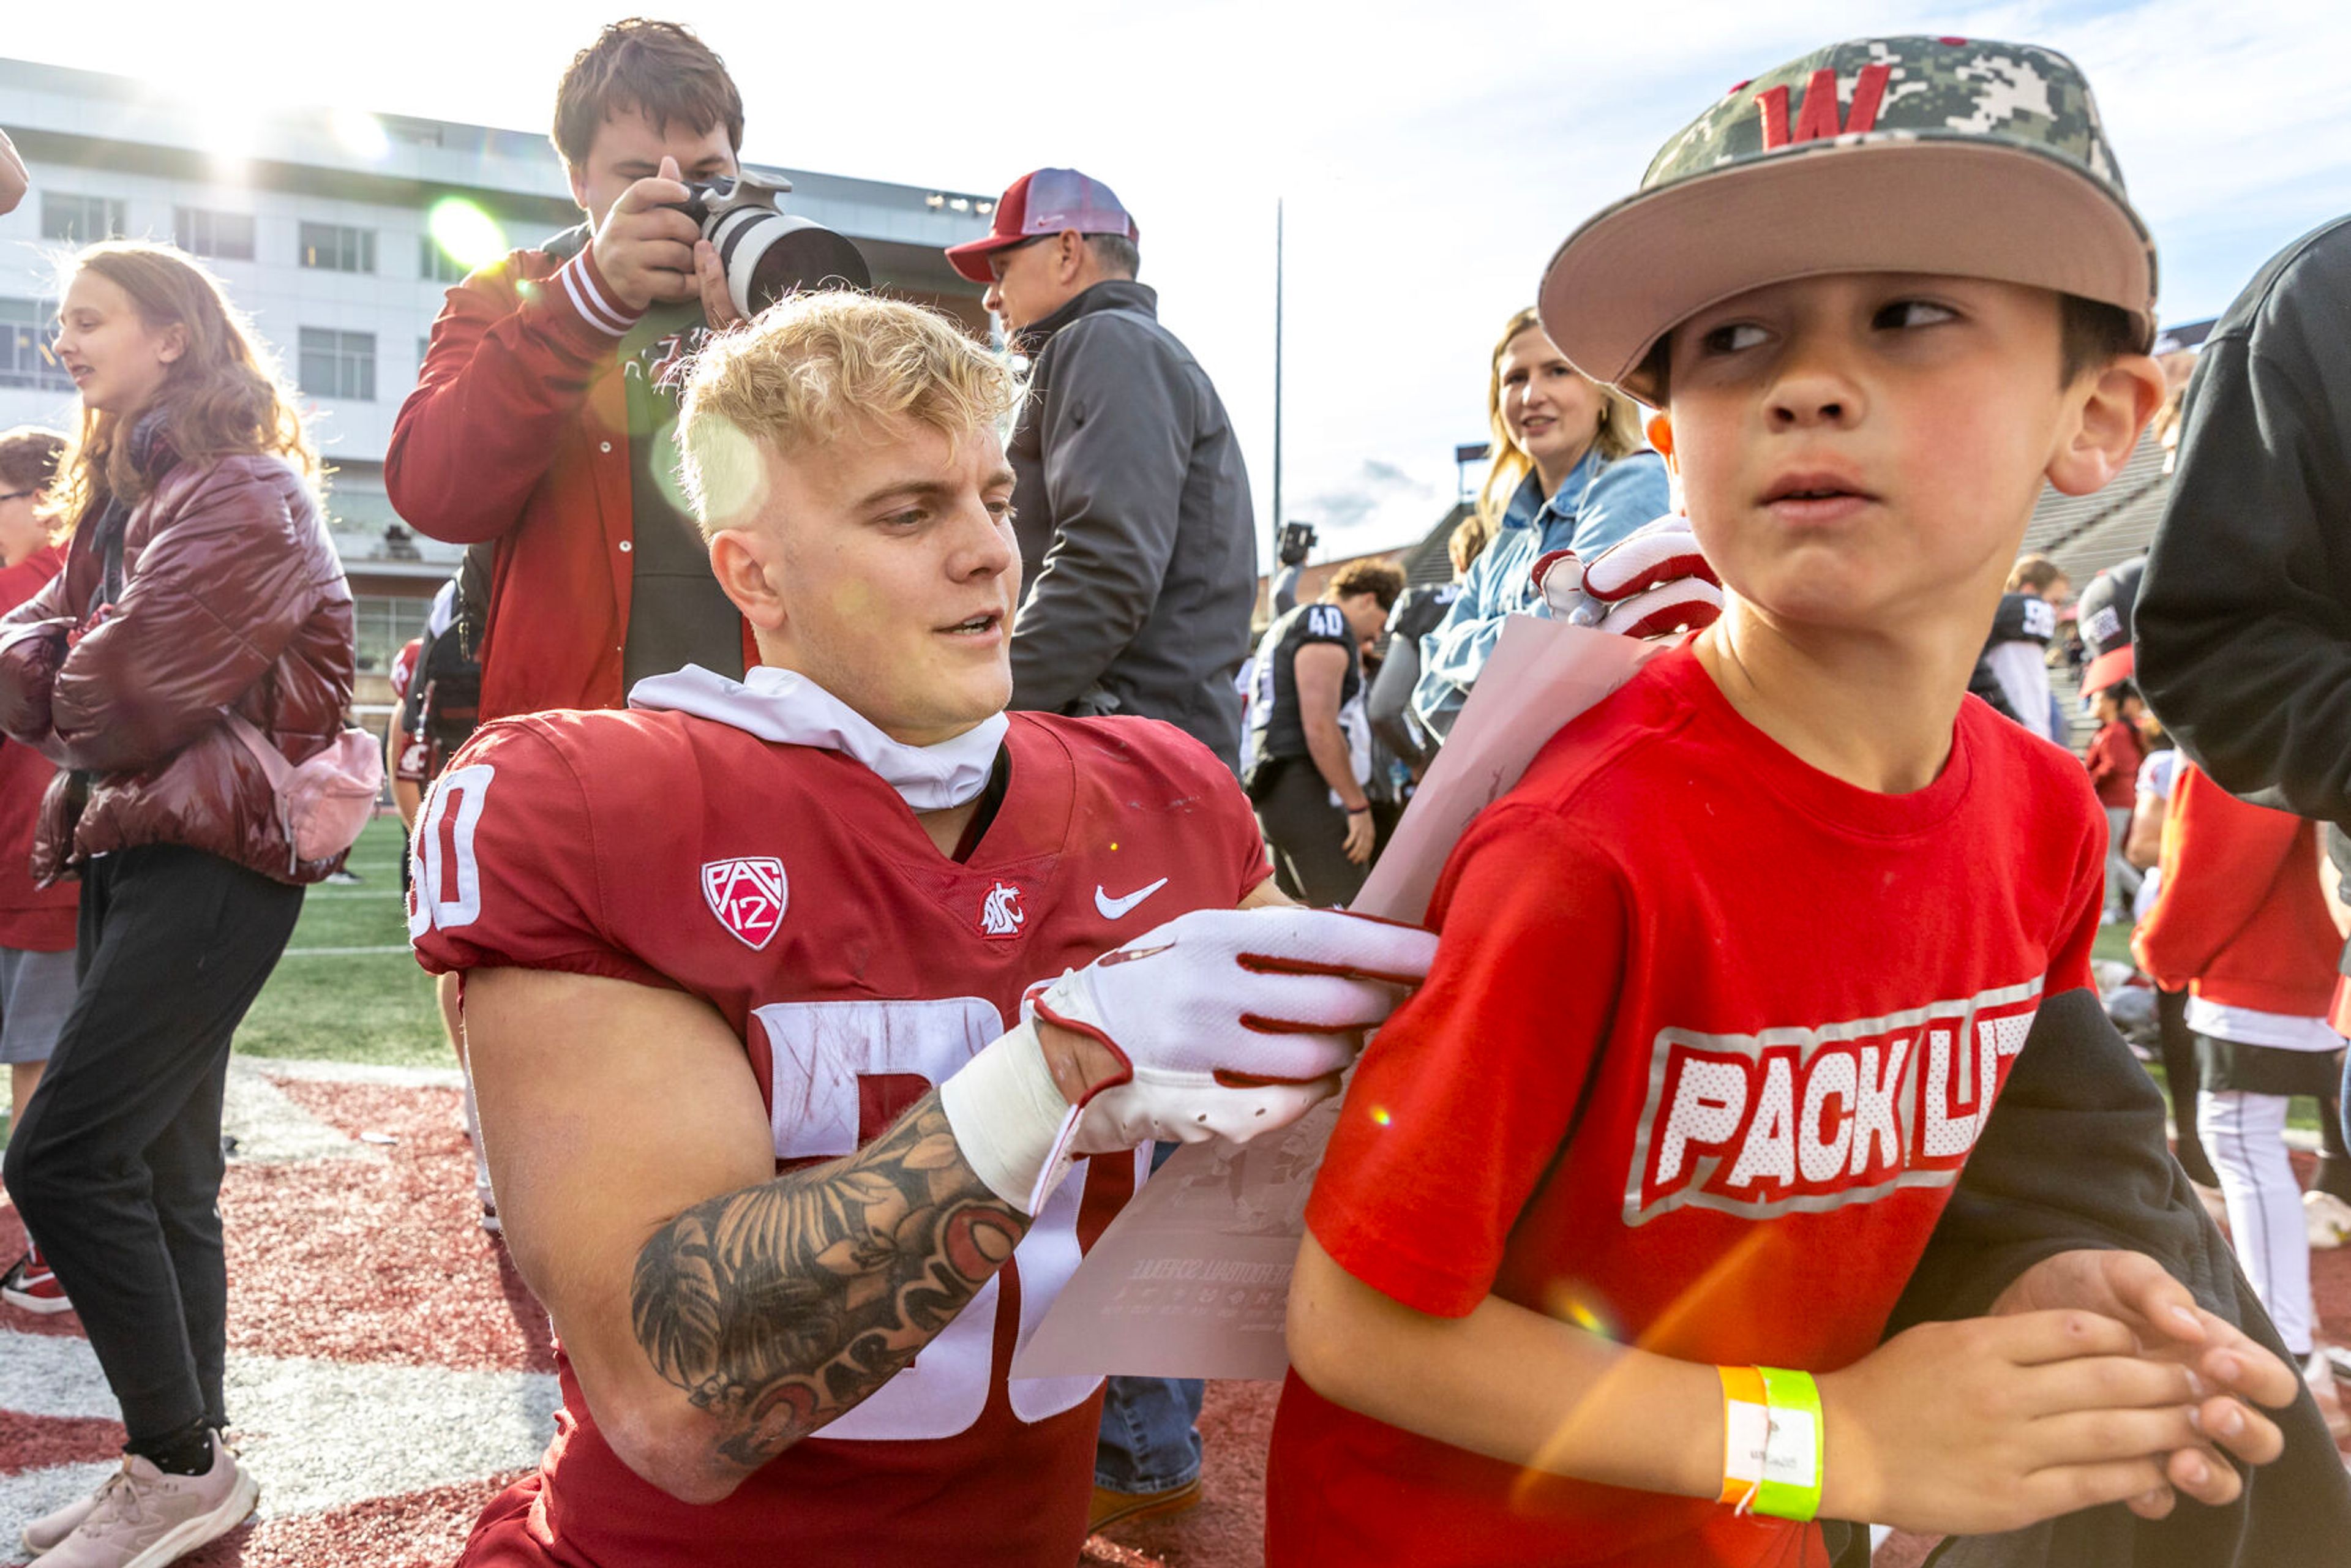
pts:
pixel 352 1006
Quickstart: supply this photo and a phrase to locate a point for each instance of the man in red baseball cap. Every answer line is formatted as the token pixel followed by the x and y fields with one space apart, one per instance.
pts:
pixel 1041 204
pixel 1138 558
pixel 1138 545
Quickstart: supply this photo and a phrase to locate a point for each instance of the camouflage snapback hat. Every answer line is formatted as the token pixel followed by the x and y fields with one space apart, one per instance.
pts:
pixel 1943 155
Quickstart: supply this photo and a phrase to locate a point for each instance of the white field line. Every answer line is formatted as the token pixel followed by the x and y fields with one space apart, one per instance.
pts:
pixel 311 1071
pixel 319 1434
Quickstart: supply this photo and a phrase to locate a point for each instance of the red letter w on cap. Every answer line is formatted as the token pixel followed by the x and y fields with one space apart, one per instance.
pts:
pixel 1819 116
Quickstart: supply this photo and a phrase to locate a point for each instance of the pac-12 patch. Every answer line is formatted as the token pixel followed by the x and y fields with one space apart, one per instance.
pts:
pixel 749 896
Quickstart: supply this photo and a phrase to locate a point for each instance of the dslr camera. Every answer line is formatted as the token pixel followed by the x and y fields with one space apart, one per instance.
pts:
pixel 1297 541
pixel 765 252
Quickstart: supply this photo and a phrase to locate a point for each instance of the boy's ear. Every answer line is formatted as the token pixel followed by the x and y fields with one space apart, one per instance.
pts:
pixel 2105 411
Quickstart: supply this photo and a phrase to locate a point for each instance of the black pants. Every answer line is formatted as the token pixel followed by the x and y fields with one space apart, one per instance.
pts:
pixel 1306 833
pixel 116 1164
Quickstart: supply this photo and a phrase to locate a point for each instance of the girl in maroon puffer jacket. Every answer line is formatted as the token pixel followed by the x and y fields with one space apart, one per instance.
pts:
pixel 201 584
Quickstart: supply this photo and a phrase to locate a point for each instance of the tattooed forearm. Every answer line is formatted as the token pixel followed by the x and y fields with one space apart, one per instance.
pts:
pixel 781 1306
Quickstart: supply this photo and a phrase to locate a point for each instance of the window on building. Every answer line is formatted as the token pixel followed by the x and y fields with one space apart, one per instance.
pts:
pixel 384 625
pixel 337 247
pixel 434 265
pixel 25 357
pixel 82 219
pixel 199 231
pixel 338 364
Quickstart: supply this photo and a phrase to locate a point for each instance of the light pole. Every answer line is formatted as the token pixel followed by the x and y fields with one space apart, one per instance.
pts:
pixel 1277 376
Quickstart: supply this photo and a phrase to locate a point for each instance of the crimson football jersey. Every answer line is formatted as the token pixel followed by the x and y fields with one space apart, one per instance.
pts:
pixel 794 891
pixel 1708 1036
pixel 409 762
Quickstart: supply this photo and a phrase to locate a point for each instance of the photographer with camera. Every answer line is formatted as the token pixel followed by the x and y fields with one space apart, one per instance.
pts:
pixel 540 428
pixel 1137 541
pixel 1297 541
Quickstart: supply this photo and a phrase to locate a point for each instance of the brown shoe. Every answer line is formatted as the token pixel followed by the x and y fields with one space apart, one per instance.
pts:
pixel 1126 1506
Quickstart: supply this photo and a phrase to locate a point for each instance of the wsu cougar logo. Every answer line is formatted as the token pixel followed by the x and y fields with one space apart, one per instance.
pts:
pixel 1000 914
pixel 747 896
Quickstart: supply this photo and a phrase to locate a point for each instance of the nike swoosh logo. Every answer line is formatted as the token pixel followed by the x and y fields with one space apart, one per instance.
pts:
pixel 1112 908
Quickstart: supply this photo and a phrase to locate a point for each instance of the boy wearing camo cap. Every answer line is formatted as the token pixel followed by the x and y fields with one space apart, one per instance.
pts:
pixel 1620 1202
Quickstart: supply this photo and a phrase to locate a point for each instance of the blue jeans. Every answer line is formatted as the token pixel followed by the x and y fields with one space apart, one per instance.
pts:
pixel 1150 1440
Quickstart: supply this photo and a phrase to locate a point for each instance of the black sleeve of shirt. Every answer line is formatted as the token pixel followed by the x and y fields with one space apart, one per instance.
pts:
pixel 2073 1157
pixel 2243 620
pixel 1118 424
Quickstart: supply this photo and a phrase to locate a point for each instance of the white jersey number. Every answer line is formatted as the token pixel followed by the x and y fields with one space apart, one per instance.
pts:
pixel 443 848
pixel 820 1051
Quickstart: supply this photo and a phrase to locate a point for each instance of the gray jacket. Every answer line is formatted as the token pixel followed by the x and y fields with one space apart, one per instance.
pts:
pixel 1138 543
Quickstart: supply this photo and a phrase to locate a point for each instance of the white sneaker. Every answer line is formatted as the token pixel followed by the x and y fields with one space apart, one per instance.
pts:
pixel 2328 1218
pixel 145 1519
pixel 2318 1375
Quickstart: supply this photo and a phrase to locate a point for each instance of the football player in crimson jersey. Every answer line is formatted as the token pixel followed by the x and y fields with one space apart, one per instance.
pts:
pixel 783 1135
pixel 1771 946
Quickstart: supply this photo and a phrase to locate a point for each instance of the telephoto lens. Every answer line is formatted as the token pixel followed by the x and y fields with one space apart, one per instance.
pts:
pixel 767 254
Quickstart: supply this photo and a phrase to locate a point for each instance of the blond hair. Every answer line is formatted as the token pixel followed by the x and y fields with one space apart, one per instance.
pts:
pixel 1468 542
pixel 812 368
pixel 221 397
pixel 1617 434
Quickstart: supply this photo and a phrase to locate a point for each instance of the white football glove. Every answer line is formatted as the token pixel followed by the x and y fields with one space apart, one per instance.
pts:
pixel 1652 582
pixel 1232 1023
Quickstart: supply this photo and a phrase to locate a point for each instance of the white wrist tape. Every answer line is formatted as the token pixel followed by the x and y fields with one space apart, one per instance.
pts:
pixel 1011 1121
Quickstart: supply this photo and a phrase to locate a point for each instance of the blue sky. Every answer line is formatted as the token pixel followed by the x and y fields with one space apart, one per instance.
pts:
pixel 1430 157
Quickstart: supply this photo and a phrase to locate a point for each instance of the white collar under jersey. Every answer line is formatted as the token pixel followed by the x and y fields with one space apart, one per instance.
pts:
pixel 787 707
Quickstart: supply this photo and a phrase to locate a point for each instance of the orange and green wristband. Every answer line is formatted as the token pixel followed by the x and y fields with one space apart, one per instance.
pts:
pixel 1772 1441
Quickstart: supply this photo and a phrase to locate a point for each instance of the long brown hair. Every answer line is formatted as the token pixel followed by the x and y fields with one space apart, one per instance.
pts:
pixel 223 396
pixel 1617 433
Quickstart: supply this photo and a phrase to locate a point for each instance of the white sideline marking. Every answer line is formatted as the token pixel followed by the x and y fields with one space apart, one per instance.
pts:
pixel 269 1127
pixel 319 1434
pixel 311 1070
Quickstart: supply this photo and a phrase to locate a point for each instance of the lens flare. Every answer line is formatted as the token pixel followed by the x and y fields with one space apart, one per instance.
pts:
pixel 360 133
pixel 469 236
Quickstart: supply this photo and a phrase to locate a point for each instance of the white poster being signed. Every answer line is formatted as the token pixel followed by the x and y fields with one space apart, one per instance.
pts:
pixel 1193 1278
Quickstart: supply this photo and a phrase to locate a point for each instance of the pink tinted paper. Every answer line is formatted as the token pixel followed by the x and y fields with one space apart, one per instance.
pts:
pixel 1193 1280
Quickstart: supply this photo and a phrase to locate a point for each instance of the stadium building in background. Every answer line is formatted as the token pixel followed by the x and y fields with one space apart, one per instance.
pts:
pixel 338 232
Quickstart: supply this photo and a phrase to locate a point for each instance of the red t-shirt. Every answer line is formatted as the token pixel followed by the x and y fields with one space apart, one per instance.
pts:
pixel 1708 1037
pixel 32 920
pixel 2113 757
pixel 794 891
